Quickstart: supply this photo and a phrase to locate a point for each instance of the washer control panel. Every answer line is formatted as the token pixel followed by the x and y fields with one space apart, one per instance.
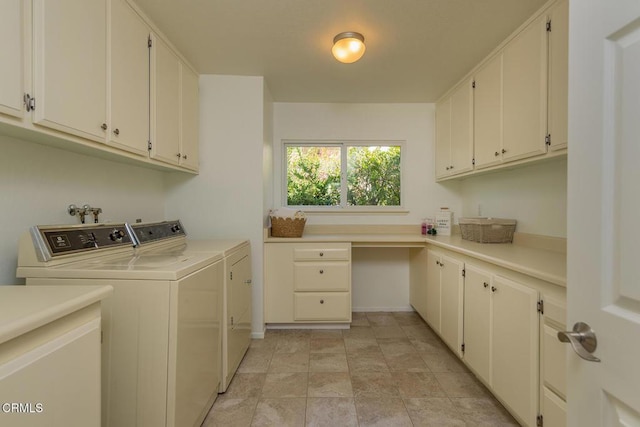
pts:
pixel 156 231
pixel 61 240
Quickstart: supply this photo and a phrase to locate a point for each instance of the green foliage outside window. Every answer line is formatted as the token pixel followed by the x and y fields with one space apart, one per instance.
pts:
pixel 372 176
pixel 313 176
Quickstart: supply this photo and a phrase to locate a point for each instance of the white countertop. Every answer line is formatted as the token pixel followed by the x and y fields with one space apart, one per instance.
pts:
pixel 543 264
pixel 547 265
pixel 25 308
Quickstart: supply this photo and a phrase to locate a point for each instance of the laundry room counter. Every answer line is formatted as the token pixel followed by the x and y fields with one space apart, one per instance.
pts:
pixel 26 308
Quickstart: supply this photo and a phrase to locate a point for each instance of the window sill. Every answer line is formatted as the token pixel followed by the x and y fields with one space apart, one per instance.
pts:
pixel 353 211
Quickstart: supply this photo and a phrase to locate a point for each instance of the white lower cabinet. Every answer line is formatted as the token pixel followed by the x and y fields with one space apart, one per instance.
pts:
pixel 514 347
pixel 307 282
pixel 553 363
pixel 444 297
pixel 492 320
pixel 477 321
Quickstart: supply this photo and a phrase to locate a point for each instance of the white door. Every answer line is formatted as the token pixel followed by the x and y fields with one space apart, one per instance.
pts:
pixel 603 209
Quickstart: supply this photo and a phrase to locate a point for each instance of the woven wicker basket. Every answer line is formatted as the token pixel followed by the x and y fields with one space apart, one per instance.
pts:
pixel 487 230
pixel 287 227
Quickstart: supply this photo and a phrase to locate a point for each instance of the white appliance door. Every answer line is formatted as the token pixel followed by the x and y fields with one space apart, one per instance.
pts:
pixel 604 209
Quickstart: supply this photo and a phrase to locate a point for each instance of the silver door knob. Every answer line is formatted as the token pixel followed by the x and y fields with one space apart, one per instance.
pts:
pixel 582 339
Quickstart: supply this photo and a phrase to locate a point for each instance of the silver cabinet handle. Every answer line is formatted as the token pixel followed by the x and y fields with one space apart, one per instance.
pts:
pixel 104 126
pixel 321 253
pixel 321 271
pixel 321 301
pixel 485 284
pixel 582 339
pixel 496 154
pixel 247 282
pixel 116 131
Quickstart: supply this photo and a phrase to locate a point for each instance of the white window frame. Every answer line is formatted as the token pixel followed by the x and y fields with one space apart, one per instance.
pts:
pixel 343 207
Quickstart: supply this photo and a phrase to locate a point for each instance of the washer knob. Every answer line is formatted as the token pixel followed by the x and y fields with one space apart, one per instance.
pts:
pixel 116 235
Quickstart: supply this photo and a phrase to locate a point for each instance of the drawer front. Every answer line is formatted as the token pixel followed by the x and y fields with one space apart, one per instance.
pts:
pixel 324 306
pixel 321 276
pixel 554 360
pixel 321 253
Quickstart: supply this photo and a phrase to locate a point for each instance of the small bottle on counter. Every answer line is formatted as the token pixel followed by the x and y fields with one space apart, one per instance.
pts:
pixel 424 226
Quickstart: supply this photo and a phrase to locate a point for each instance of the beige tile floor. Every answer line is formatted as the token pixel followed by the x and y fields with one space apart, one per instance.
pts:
pixel 389 369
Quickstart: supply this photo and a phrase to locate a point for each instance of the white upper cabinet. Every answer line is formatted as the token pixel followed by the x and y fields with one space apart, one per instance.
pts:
pixel 11 57
pixel 129 79
pixel 487 126
pixel 558 75
pixel 165 103
pixel 189 118
pixel 524 93
pixel 519 101
pixel 443 137
pixel 70 70
pixel 454 132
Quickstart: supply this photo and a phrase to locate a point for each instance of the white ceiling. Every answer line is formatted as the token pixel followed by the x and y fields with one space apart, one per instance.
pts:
pixel 416 49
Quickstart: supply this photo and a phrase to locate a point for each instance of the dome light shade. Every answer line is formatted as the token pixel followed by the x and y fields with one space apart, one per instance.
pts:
pixel 348 47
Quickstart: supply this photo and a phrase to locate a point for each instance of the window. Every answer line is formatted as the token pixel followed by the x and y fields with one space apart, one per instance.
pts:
pixel 341 174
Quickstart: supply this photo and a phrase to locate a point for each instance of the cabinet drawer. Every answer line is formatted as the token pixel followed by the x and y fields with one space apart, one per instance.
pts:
pixel 322 306
pixel 321 253
pixel 321 276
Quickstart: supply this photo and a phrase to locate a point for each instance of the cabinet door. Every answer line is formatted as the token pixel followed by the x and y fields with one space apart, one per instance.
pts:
pixel 443 138
pixel 433 290
pixel 11 57
pixel 451 292
pixel 70 69
pixel 477 317
pixel 462 129
pixel 129 66
pixel 238 312
pixel 487 122
pixel 189 111
pixel 525 93
pixel 165 103
pixel 514 347
pixel 558 75
pixel 278 283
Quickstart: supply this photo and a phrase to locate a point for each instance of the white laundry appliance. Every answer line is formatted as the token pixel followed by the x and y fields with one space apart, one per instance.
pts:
pixel 170 237
pixel 161 327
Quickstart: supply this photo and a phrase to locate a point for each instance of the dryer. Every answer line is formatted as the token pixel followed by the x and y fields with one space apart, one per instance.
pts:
pixel 161 327
pixel 171 237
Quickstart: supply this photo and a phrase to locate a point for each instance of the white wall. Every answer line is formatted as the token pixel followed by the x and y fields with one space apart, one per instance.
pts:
pixel 38 182
pixel 412 123
pixel 226 199
pixel 380 279
pixel 536 196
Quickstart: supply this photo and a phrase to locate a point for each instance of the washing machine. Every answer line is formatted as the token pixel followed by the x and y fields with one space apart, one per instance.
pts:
pixel 162 326
pixel 170 237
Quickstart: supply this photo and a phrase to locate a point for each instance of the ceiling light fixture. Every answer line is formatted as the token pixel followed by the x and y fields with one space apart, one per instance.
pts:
pixel 348 47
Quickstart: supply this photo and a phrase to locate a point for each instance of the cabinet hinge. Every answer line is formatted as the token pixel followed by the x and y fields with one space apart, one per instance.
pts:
pixel 231 320
pixel 29 102
pixel 149 145
pixel 547 139
pixel 473 161
pixel 464 272
pixel 149 42
pixel 101 337
pixel 473 84
pixel 548 26
pixel 541 306
pixel 539 421
pixel 462 347
pixel 231 275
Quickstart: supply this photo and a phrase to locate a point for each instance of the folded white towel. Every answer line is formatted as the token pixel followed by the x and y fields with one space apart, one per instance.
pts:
pixel 287 213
